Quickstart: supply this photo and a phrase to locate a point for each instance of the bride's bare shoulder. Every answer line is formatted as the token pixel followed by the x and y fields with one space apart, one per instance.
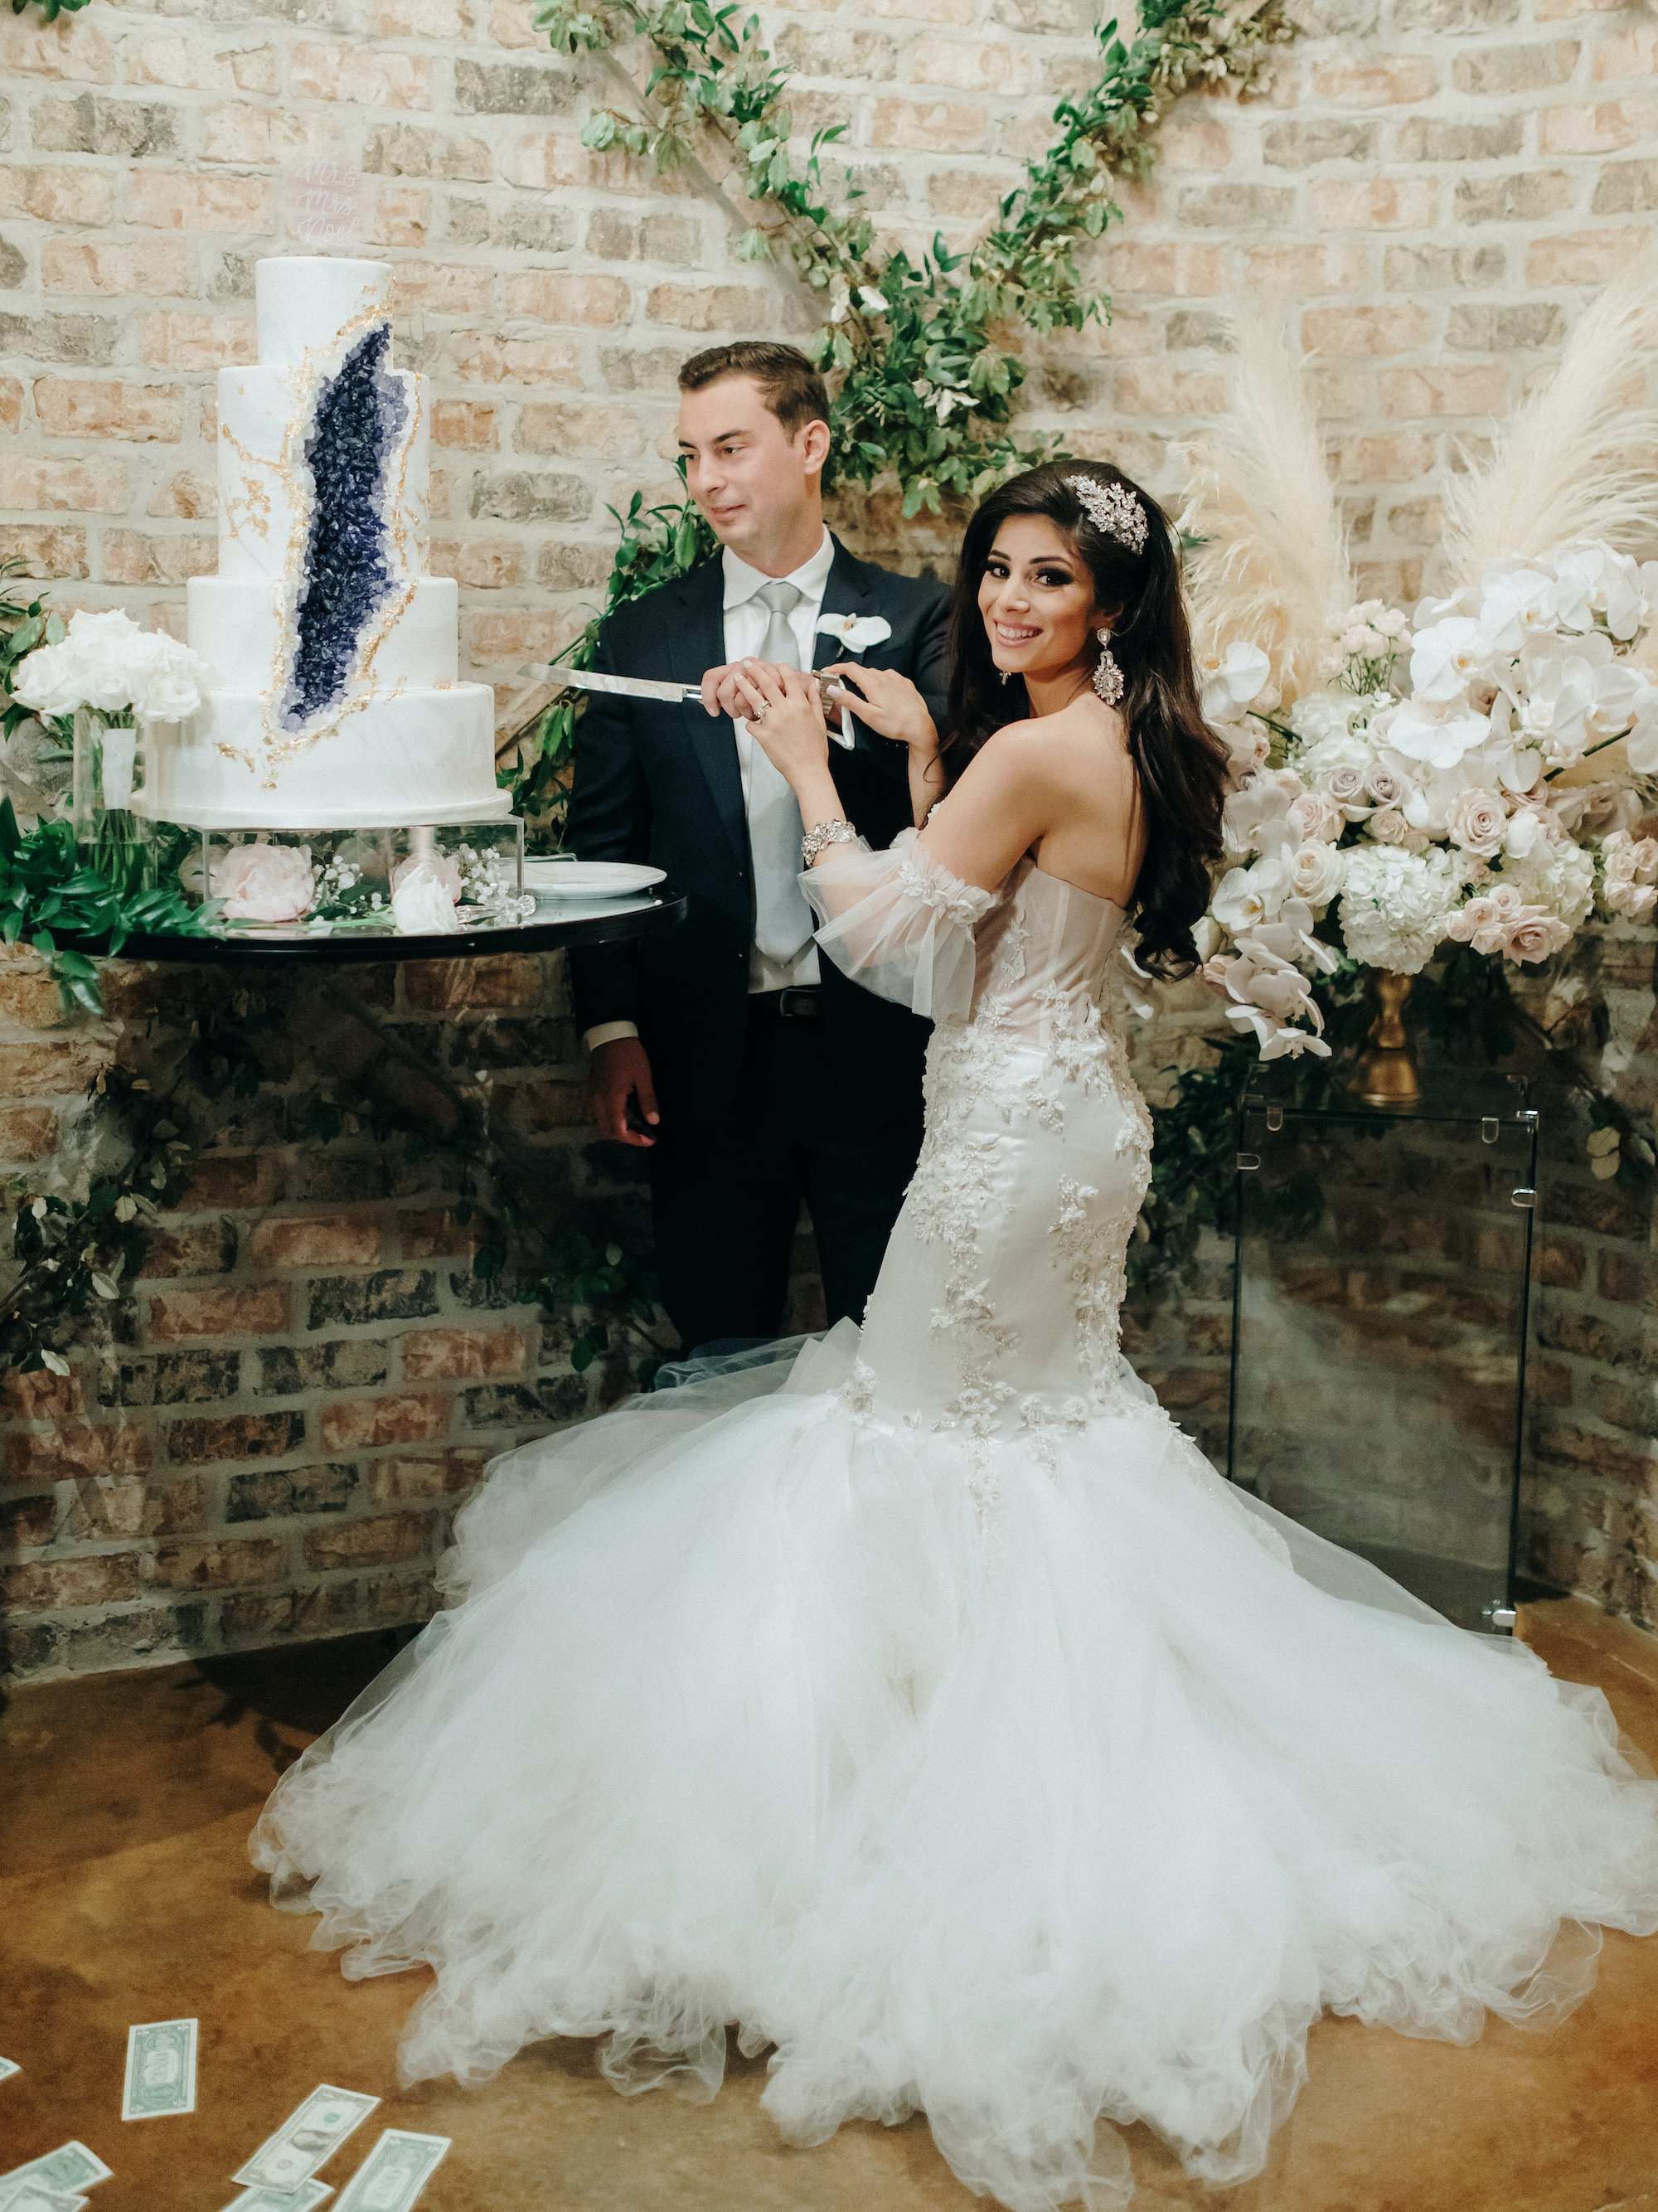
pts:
pixel 1078 738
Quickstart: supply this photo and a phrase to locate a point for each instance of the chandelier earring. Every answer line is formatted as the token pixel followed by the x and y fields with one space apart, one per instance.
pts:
pixel 1108 677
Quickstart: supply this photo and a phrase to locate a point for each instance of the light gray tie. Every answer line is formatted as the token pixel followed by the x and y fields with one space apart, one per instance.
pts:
pixel 782 918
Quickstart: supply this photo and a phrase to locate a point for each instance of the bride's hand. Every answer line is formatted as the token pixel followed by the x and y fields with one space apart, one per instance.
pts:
pixel 889 703
pixel 785 717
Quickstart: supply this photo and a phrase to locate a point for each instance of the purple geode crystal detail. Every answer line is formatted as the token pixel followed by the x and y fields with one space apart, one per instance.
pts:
pixel 347 574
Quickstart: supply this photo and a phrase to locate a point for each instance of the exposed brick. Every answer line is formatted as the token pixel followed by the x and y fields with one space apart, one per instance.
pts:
pixel 514 1405
pixel 74 1448
pixel 366 77
pixel 392 1294
pixel 81 407
pixel 58 193
pixel 410 1417
pixel 1478 389
pixel 206 1247
pixel 351 1542
pixel 222 1563
pixel 406 1477
pixel 238 1309
pixel 126 130
pixel 176 199
pixel 1584 257
pixel 439 1354
pixel 241 1436
pixel 338 1240
pixel 280 1493
pixel 1391 80
pixel 62 1585
pixel 349 1363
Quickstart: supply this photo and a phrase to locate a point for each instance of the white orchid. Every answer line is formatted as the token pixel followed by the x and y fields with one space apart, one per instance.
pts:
pixel 1229 686
pixel 1447 660
pixel 855 633
pixel 1516 599
pixel 1248 897
pixel 1438 731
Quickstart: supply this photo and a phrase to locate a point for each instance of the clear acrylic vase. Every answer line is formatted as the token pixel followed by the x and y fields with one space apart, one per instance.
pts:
pixel 108 770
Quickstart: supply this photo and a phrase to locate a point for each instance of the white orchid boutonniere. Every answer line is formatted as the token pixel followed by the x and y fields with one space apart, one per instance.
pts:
pixel 856 633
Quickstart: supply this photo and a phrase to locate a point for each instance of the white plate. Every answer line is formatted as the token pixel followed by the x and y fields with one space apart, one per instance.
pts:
pixel 588 878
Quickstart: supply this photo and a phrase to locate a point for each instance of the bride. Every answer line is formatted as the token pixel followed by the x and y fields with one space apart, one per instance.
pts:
pixel 918 1699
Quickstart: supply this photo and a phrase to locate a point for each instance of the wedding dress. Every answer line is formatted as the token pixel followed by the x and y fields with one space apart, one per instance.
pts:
pixel 919 1699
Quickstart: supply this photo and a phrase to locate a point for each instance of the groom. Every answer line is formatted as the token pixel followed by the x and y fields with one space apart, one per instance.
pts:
pixel 754 1076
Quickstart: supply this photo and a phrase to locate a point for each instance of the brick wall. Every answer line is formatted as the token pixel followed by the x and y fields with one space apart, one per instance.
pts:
pixel 283 1415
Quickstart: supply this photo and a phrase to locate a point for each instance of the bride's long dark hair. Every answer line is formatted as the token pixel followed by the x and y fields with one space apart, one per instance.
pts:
pixel 1181 765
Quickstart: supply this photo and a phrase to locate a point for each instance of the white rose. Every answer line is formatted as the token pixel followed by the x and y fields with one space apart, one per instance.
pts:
pixel 421 904
pixel 264 882
pixel 1315 815
pixel 1535 935
pixel 48 683
pixel 443 870
pixel 1476 821
pixel 1315 873
pixel 171 686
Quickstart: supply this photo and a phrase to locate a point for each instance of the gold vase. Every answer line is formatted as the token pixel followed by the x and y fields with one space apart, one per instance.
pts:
pixel 1385 1073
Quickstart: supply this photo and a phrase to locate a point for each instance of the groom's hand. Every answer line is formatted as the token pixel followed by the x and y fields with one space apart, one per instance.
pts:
pixel 722 691
pixel 620 1076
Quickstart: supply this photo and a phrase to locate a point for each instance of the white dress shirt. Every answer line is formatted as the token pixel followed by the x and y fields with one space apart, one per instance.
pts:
pixel 745 620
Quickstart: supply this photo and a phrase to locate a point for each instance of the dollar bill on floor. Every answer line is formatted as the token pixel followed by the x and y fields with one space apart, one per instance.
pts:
pixel 306 2198
pixel 8 2068
pixel 394 2172
pixel 160 2075
pixel 34 2197
pixel 305 2140
pixel 67 2170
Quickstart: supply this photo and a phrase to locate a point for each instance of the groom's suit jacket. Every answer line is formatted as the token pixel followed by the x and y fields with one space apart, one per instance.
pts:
pixel 660 783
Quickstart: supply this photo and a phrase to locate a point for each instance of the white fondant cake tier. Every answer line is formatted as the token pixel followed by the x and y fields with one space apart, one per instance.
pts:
pixel 265 492
pixel 303 302
pixel 236 625
pixel 417 755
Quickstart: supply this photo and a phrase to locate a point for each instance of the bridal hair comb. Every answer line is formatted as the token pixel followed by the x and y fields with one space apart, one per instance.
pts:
pixel 1113 508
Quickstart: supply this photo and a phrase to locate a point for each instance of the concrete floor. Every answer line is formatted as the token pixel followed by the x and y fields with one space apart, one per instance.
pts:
pixel 126 1896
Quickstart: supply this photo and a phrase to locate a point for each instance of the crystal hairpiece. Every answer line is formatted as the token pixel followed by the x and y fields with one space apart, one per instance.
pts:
pixel 1113 508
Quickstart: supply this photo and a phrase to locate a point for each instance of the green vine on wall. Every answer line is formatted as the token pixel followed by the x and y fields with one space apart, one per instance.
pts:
pixel 920 355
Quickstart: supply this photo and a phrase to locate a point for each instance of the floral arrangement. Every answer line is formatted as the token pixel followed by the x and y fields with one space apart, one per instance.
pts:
pixel 1468 774
pixel 105 661
pixel 428 894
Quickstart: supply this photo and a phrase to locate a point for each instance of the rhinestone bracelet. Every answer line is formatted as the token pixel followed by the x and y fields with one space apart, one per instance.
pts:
pixel 837 832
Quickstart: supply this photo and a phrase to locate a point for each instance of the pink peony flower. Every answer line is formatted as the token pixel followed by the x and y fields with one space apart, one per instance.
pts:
pixel 264 882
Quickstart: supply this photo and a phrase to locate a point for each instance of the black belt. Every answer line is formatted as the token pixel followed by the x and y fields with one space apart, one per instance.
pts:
pixel 801 1003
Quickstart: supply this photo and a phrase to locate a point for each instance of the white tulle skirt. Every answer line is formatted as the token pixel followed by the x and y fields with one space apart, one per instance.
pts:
pixel 742 1720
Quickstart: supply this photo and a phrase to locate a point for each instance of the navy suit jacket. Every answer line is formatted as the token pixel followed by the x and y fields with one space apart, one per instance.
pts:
pixel 660 783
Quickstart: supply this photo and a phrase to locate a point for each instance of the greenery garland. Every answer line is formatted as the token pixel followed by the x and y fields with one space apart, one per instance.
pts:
pixel 923 379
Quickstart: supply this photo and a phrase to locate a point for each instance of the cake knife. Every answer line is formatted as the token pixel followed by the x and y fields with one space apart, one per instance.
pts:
pixel 645 687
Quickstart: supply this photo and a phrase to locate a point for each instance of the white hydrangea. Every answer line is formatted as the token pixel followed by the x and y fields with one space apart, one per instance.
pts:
pixel 1559 876
pixel 1394 905
pixel 1321 714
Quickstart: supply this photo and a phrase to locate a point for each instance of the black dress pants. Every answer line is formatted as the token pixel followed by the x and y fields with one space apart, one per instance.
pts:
pixel 726 1197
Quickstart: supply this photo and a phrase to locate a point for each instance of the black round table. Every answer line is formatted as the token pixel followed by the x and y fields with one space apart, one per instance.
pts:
pixel 556 923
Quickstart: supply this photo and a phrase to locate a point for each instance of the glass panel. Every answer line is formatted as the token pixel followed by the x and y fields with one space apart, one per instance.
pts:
pixel 1379 1356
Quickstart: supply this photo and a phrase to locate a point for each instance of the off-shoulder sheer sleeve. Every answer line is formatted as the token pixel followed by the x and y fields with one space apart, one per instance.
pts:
pixel 900 923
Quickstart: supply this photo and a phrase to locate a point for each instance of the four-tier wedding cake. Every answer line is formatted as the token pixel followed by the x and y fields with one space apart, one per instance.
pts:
pixel 335 699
